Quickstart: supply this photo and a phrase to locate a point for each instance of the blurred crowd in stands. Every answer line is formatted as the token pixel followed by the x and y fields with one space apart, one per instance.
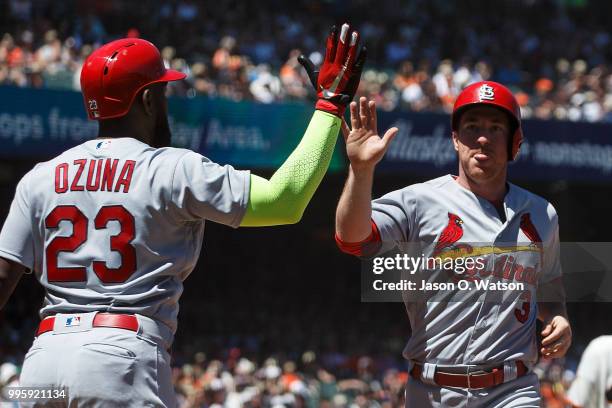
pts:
pixel 555 54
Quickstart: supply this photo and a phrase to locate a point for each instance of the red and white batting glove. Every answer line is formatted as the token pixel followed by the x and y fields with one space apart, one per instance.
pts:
pixel 337 79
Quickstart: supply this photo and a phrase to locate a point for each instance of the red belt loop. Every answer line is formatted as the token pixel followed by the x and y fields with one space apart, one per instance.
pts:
pixel 117 321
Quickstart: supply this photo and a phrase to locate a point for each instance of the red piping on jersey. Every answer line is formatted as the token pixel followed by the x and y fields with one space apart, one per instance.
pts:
pixel 368 246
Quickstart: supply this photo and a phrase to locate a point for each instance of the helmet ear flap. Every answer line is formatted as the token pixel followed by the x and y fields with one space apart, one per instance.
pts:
pixel 511 136
pixel 515 146
pixel 516 137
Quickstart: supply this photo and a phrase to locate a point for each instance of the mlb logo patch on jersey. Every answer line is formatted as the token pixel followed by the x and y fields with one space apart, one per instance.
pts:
pixel 73 321
pixel 102 145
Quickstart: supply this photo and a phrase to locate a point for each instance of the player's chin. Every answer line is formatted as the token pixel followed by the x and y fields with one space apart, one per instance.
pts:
pixel 482 174
pixel 479 170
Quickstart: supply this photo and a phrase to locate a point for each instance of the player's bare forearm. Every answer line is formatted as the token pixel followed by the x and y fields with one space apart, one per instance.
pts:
pixel 10 273
pixel 283 198
pixel 354 210
pixel 554 293
pixel 548 310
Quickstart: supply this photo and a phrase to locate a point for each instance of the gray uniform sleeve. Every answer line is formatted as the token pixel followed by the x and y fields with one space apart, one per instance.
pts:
pixel 551 263
pixel 202 189
pixel 394 215
pixel 550 283
pixel 16 240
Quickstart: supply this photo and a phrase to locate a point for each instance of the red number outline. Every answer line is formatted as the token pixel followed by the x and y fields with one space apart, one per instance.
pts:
pixel 118 243
pixel 522 313
pixel 65 243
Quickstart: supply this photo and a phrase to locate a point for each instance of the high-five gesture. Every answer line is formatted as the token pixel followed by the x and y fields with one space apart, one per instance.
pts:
pixel 365 148
pixel 363 145
pixel 337 79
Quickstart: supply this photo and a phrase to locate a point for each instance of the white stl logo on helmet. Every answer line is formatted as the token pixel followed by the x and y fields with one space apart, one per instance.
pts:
pixel 486 93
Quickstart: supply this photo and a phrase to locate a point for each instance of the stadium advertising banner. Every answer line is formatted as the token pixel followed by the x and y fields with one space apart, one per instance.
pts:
pixel 42 123
pixel 552 150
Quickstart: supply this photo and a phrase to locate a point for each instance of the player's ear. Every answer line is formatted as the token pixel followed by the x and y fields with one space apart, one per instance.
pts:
pixel 455 138
pixel 148 102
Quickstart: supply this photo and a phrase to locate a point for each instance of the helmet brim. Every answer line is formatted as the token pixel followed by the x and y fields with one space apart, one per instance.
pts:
pixel 171 75
pixel 456 116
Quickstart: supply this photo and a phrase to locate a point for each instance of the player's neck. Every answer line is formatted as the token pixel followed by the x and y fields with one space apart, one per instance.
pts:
pixel 493 190
pixel 116 128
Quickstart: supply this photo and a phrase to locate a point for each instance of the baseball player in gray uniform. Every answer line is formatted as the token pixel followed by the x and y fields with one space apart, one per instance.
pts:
pixel 112 227
pixel 478 352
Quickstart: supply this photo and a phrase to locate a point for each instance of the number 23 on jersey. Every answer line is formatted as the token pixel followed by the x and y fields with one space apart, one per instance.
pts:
pixel 120 243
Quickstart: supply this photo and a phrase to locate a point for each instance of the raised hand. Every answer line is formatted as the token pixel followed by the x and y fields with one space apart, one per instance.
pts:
pixel 337 79
pixel 364 147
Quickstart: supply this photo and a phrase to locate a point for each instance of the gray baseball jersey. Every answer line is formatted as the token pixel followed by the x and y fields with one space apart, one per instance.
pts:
pixel 116 225
pixel 594 376
pixel 491 326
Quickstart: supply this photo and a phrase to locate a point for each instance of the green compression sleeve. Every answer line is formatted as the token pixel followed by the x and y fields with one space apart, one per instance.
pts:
pixel 283 198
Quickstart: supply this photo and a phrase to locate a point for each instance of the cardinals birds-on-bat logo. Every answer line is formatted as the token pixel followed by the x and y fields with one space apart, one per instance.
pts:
pixel 451 233
pixel 532 233
pixel 530 230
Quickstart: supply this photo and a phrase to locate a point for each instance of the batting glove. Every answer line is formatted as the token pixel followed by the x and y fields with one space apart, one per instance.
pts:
pixel 337 79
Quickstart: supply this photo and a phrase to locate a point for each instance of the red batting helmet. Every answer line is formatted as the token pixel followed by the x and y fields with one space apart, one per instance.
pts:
pixel 497 95
pixel 114 74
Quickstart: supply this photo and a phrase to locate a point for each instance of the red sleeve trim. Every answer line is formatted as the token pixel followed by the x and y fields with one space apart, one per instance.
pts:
pixel 367 247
